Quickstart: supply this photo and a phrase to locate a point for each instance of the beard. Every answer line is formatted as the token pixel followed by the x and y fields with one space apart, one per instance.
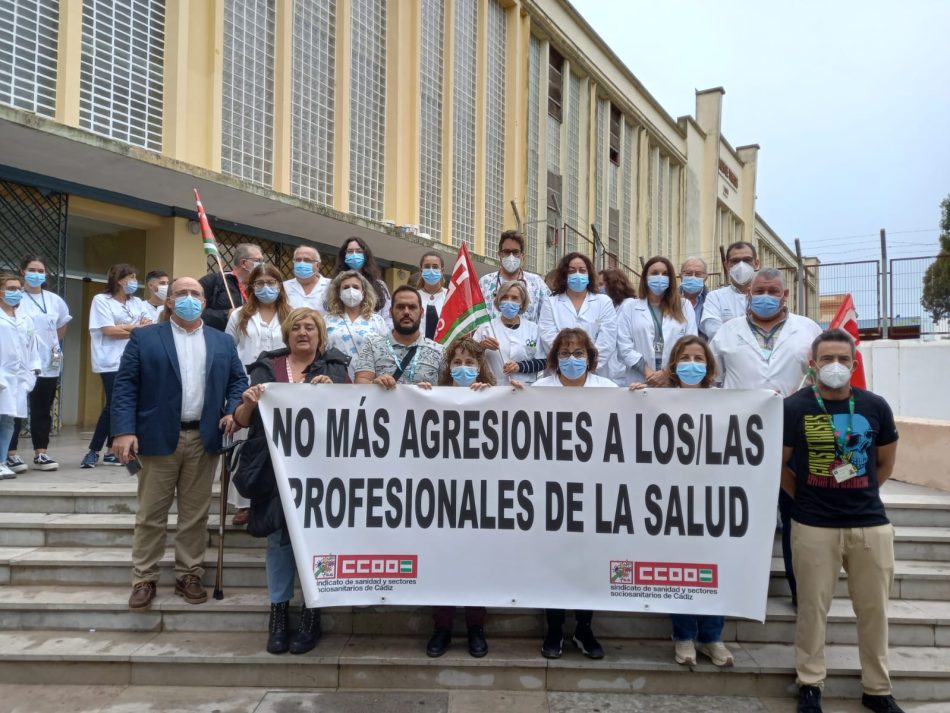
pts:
pixel 407 330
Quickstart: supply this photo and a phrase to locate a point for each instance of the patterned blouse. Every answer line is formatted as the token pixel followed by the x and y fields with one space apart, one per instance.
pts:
pixel 349 336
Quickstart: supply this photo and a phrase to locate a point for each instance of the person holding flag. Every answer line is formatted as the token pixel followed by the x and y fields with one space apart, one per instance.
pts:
pixel 404 356
pixel 224 291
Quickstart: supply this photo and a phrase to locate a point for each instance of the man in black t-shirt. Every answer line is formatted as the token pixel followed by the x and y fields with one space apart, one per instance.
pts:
pixel 840 444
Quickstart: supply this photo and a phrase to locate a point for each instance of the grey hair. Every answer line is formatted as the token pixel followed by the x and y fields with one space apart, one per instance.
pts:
pixel 242 250
pixel 310 247
pixel 697 259
pixel 768 273
pixel 503 290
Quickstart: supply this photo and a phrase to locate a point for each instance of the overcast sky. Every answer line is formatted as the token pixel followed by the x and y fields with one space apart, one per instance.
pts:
pixel 849 101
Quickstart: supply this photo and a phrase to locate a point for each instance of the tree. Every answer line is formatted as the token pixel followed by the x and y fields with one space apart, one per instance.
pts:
pixel 936 294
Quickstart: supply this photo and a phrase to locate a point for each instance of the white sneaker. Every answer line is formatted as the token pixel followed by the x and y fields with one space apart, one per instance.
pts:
pixel 717 653
pixel 6 473
pixel 684 652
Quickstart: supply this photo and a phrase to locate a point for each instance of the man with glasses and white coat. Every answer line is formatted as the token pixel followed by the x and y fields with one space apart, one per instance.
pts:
pixel 730 301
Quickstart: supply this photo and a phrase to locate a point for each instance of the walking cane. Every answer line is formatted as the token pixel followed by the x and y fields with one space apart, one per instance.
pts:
pixel 228 458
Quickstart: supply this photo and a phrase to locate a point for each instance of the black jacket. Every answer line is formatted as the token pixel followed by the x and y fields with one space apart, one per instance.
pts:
pixel 217 305
pixel 254 478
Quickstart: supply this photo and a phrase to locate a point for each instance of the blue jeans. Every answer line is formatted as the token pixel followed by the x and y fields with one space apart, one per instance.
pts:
pixel 279 563
pixel 7 422
pixel 697 627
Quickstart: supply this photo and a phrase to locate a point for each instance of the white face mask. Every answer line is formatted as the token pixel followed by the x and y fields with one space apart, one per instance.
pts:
pixel 741 273
pixel 161 292
pixel 351 296
pixel 511 263
pixel 834 375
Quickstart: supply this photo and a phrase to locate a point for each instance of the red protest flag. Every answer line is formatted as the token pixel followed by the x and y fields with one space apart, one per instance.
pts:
pixel 846 318
pixel 464 307
pixel 210 246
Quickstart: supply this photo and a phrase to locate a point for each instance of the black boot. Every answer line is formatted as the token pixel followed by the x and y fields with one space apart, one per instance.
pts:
pixel 278 641
pixel 438 642
pixel 308 631
pixel 477 645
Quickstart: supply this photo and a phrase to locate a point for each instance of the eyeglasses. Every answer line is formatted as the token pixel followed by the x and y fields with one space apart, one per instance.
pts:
pixel 737 260
pixel 577 354
pixel 511 253
pixel 187 293
pixel 307 259
pixel 260 284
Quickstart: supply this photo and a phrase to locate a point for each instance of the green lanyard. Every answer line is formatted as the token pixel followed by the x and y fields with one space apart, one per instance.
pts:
pixel 657 336
pixel 840 443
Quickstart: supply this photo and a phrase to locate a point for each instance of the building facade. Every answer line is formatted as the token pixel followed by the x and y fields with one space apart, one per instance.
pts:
pixel 410 123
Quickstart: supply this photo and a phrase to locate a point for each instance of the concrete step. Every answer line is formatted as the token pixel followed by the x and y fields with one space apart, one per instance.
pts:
pixel 912 623
pixel 19 529
pixel 379 662
pixel 913 579
pixel 910 543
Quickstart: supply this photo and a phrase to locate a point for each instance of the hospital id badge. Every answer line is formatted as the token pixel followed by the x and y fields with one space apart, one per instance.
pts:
pixel 842 471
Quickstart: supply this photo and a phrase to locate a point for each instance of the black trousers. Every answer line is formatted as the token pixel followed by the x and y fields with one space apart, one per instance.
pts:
pixel 785 505
pixel 41 413
pixel 102 433
pixel 556 617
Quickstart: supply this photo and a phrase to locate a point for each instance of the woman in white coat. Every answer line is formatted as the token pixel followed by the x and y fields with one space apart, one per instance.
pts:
pixel 648 327
pixel 575 302
pixel 19 363
pixel 512 342
pixel 614 284
pixel 255 328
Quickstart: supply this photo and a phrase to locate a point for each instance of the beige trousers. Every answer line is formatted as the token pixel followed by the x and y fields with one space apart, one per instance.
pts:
pixel 190 472
pixel 867 554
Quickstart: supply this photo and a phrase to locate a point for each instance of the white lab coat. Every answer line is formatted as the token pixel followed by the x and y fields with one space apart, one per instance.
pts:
pixel 741 364
pixel 635 331
pixel 19 362
pixel 298 297
pixel 521 344
pixel 720 306
pixel 597 317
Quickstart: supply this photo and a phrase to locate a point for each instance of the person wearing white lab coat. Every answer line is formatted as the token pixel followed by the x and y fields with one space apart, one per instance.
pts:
pixel 307 288
pixel 512 343
pixel 19 363
pixel 732 300
pixel 649 326
pixel 768 349
pixel 574 302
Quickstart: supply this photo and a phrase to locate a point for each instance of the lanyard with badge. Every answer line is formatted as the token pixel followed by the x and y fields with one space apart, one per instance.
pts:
pixel 657 337
pixel 841 468
pixel 411 371
pixel 56 355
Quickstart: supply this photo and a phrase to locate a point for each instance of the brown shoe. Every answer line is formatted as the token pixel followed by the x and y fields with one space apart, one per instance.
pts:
pixel 190 588
pixel 241 517
pixel 142 595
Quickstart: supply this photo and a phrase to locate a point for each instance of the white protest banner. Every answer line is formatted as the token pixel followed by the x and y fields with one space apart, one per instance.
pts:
pixel 606 499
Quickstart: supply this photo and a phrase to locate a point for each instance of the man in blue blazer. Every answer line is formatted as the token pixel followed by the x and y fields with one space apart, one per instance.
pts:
pixel 176 390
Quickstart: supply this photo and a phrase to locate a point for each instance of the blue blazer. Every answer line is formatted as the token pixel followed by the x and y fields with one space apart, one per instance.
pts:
pixel 146 398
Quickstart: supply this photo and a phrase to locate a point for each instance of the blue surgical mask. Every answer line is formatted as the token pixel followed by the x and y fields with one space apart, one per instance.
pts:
pixel 765 306
pixel 572 368
pixel 464 375
pixel 578 281
pixel 188 308
pixel 658 284
pixel 267 295
pixel 131 287
pixel 432 277
pixel 509 310
pixel 35 279
pixel 355 261
pixel 303 270
pixel 691 372
pixel 12 297
pixel 693 285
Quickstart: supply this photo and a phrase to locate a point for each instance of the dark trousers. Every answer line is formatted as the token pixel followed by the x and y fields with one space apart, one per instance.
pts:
pixel 785 503
pixel 41 413
pixel 102 435
pixel 442 616
pixel 556 617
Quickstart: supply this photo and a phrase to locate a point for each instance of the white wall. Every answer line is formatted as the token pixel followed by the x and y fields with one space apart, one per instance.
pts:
pixel 913 376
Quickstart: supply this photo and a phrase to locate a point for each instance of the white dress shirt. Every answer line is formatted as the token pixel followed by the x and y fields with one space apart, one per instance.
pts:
pixel 260 336
pixel 298 297
pixel 192 357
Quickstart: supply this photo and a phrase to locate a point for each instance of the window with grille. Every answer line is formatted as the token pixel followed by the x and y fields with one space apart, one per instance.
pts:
pixel 555 84
pixel 247 112
pixel 533 227
pixel 312 127
pixel 616 122
pixel 573 161
pixel 122 68
pixel 367 107
pixel 463 169
pixel 28 52
pixel 555 201
pixel 430 117
pixel 653 170
pixel 495 123
pixel 613 236
pixel 599 168
pixel 628 246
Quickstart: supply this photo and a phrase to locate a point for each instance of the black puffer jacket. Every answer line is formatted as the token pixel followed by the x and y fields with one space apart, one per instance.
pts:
pixel 254 478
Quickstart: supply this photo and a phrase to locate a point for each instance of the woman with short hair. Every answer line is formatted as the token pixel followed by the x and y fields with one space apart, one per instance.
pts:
pixel 307 359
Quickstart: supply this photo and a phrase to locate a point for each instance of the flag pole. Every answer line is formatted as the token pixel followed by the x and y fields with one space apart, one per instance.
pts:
pixel 211 246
